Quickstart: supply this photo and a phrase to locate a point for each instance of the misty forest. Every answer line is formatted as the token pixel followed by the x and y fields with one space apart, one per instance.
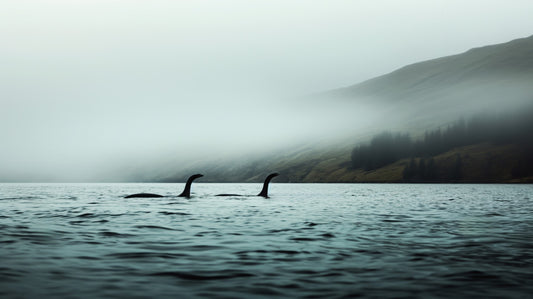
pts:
pixel 425 154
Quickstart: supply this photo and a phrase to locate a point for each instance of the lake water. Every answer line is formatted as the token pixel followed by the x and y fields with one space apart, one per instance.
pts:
pixel 306 241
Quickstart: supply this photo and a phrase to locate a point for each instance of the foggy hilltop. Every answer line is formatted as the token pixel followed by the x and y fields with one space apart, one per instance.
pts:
pixel 490 64
pixel 488 78
pixel 481 88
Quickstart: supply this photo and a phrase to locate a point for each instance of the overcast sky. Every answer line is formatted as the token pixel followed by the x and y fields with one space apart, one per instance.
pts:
pixel 83 82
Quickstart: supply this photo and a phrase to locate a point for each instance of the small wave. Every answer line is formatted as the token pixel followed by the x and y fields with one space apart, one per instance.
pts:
pixel 227 274
pixel 144 255
pixel 273 231
pixel 367 251
pixel 50 215
pixel 20 198
pixel 210 232
pixel 78 222
pixel 196 248
pixel 115 235
pixel 11 274
pixel 93 215
pixel 174 213
pixel 493 214
pixel 473 275
pixel 86 257
pixel 34 237
pixel 305 239
pixel 260 251
pixel 87 215
pixel 153 227
pixel 308 226
pixel 322 237
pixel 175 202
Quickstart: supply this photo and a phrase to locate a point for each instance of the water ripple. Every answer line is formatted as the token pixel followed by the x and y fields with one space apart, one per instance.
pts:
pixel 226 274
pixel 306 241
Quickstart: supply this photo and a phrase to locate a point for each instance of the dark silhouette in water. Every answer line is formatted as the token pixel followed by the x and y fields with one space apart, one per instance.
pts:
pixel 186 191
pixel 264 191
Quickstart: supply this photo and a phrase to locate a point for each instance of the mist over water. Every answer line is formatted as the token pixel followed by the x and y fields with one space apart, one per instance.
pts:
pixel 82 141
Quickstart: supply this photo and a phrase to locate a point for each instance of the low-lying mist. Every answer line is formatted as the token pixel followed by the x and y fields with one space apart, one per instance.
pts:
pixel 162 135
pixel 125 136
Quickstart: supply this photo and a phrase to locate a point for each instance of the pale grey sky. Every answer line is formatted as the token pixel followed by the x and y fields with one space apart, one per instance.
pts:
pixel 83 82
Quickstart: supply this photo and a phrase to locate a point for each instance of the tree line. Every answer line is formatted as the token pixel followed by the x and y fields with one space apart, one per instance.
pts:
pixel 386 148
pixel 426 170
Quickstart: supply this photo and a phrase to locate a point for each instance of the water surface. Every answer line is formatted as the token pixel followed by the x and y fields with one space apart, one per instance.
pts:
pixel 307 240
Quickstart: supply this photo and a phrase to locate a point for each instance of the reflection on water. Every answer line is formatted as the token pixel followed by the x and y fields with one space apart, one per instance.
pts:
pixel 307 240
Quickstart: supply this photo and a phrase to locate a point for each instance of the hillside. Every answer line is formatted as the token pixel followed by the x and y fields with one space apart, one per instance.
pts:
pixel 508 64
pixel 432 92
pixel 480 163
pixel 413 99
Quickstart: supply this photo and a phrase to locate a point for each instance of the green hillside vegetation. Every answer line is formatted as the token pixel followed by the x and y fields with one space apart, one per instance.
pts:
pixel 480 163
pixel 477 162
pixel 484 149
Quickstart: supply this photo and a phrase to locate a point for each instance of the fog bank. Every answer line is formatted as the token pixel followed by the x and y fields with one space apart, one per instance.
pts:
pixel 97 90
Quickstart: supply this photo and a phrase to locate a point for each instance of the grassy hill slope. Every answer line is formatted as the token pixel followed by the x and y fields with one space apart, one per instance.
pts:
pixel 480 163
